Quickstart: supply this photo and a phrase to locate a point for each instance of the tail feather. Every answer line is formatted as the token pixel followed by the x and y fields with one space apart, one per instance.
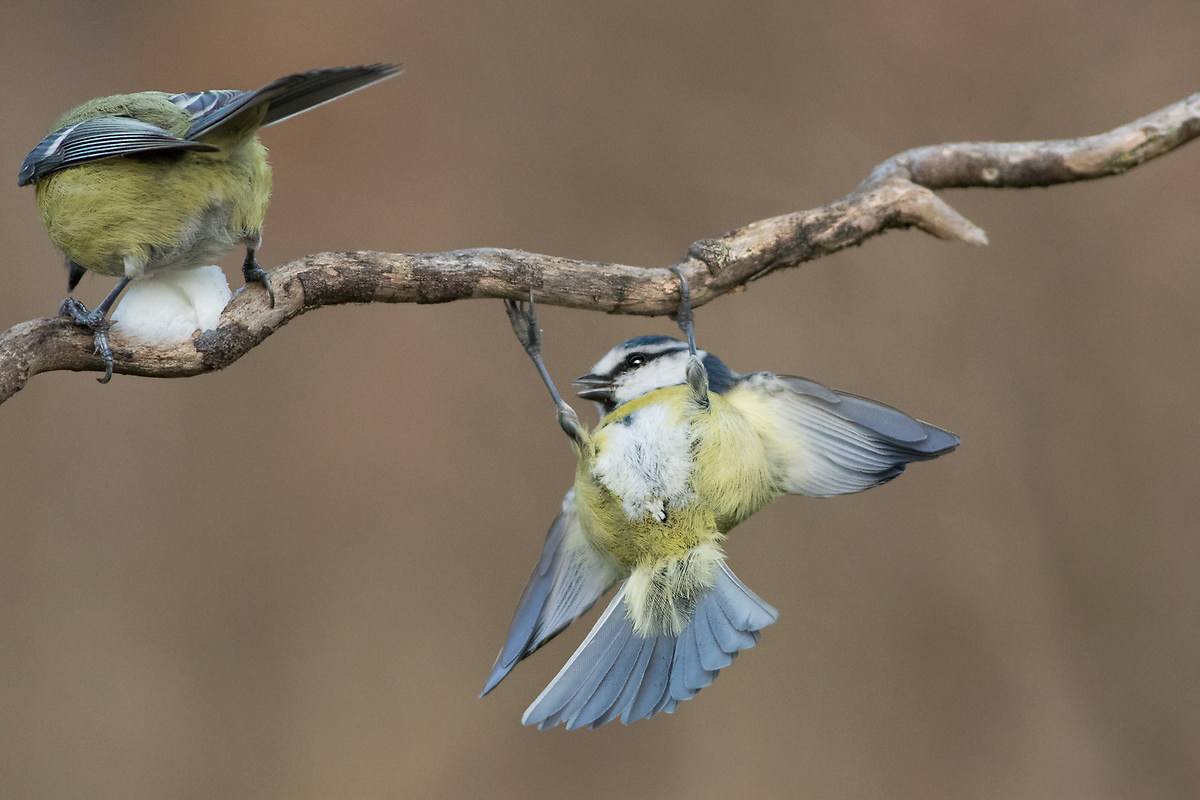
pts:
pixel 730 637
pixel 629 691
pixel 618 673
pixel 716 652
pixel 588 666
pixel 283 98
pixel 654 683
pixel 609 676
pixel 695 675
pixel 608 691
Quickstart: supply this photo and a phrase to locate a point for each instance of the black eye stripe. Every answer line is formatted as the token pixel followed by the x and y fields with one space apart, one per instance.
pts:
pixel 647 352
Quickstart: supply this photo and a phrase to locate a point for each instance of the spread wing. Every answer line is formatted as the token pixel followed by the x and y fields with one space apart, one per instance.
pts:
pixel 570 576
pixel 825 442
pixel 100 137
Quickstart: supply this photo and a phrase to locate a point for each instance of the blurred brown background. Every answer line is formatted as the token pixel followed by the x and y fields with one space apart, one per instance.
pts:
pixel 289 579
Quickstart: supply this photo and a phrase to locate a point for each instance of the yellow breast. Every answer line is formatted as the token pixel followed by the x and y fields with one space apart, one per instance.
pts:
pixel 661 476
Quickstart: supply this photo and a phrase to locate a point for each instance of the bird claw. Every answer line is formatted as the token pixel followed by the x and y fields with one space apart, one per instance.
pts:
pixel 683 315
pixel 524 324
pixel 98 324
pixel 253 273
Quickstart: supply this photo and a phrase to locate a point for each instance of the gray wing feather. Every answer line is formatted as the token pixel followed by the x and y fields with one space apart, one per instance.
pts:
pixel 827 442
pixel 616 672
pixel 567 581
pixel 97 138
pixel 283 98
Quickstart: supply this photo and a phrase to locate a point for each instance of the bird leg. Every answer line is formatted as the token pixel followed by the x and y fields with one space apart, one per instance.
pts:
pixel 253 273
pixel 697 375
pixel 683 315
pixel 524 324
pixel 97 322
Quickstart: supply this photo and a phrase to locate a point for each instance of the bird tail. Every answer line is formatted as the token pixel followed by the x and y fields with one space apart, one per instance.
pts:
pixel 285 98
pixel 617 672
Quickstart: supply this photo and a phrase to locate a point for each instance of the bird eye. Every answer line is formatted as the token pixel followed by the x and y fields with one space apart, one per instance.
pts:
pixel 634 360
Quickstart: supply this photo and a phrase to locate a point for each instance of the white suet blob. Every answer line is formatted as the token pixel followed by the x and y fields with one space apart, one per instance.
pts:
pixel 169 306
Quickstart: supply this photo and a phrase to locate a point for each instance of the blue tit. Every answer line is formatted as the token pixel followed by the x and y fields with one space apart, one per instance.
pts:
pixel 135 183
pixel 687 449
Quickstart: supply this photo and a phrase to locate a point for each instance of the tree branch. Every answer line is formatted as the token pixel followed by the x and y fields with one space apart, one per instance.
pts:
pixel 897 194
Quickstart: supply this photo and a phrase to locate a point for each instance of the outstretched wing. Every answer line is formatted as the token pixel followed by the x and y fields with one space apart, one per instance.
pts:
pixel 282 98
pixel 569 578
pixel 825 442
pixel 100 137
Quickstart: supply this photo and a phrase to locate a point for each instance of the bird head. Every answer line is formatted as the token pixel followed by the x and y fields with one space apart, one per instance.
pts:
pixel 643 364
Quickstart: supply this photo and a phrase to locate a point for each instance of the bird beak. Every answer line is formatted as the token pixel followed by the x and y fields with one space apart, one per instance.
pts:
pixel 594 387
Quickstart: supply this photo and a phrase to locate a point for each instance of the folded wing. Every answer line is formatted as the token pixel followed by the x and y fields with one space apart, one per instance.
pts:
pixel 101 137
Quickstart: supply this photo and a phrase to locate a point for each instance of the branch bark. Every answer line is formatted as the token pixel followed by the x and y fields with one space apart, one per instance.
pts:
pixel 897 194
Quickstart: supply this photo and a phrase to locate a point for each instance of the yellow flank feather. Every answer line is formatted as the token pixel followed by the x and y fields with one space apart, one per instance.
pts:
pixel 732 471
pixel 786 451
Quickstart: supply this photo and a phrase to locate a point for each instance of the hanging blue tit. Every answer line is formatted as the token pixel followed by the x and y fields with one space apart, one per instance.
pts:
pixel 686 450
pixel 135 183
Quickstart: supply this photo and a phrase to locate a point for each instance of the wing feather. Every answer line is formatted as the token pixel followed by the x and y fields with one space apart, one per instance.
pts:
pixel 569 578
pixel 826 442
pixel 97 138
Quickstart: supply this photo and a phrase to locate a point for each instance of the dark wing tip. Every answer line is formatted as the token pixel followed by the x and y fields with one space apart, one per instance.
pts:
pixel 938 440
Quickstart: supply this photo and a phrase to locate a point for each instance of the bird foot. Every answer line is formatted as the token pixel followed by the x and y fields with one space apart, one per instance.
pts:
pixel 524 324
pixel 683 315
pixel 253 273
pixel 97 322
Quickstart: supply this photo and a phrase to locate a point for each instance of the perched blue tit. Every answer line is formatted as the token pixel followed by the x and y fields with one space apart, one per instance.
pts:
pixel 686 450
pixel 135 183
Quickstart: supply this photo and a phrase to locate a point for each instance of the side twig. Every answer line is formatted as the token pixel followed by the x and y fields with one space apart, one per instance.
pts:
pixel 897 194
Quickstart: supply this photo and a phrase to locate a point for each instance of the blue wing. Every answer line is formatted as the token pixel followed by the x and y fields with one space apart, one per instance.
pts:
pixel 100 137
pixel 827 442
pixel 570 576
pixel 618 673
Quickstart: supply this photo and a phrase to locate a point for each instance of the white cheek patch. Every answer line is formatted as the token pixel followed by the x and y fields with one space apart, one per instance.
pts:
pixel 646 462
pixel 665 371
